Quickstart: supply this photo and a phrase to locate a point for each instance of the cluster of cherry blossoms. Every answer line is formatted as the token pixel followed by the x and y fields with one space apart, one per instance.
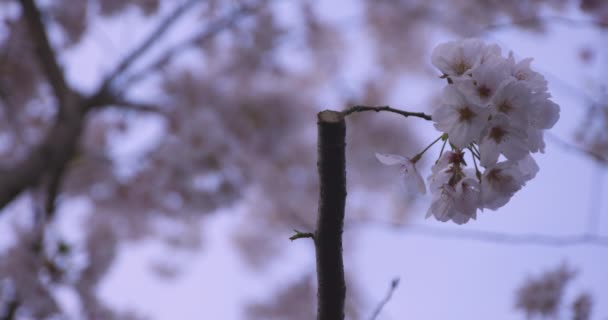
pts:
pixel 493 108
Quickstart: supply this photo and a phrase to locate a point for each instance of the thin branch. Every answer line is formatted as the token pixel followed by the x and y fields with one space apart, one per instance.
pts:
pixel 490 236
pixel 137 106
pixel 597 192
pixel 45 52
pixel 355 109
pixel 545 20
pixel 52 192
pixel 597 157
pixel 209 32
pixel 55 150
pixel 386 299
pixel 11 309
pixel 153 37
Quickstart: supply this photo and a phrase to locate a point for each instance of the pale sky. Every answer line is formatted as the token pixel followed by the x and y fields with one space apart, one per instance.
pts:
pixel 441 278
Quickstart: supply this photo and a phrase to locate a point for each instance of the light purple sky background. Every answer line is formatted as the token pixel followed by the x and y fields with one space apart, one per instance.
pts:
pixel 441 278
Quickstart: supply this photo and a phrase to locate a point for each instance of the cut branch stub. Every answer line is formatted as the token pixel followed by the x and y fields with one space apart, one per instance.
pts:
pixel 332 199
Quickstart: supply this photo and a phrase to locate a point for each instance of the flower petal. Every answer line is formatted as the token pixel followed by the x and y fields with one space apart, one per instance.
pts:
pixel 390 159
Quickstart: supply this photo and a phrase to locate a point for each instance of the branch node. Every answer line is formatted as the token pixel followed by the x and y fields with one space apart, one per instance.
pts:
pixel 301 235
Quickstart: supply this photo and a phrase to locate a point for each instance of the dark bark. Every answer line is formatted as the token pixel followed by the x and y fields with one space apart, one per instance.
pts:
pixel 45 53
pixel 51 154
pixel 332 199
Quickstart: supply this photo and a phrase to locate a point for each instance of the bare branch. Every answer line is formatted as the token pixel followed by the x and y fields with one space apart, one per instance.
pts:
pixel 332 199
pixel 546 20
pixel 53 189
pixel 156 34
pixel 386 299
pixel 137 106
pixel 490 236
pixel 597 157
pixel 45 52
pixel 406 114
pixel 212 29
pixel 56 149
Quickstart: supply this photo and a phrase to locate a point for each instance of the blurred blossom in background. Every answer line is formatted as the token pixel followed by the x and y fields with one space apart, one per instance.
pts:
pixel 155 157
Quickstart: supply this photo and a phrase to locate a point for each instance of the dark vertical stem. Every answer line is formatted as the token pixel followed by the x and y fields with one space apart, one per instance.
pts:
pixel 332 198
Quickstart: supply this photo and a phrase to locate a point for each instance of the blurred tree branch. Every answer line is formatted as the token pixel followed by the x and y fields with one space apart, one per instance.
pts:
pixel 45 53
pixel 48 158
pixel 53 189
pixel 127 104
pixel 488 236
pixel 152 38
pixel 595 156
pixel 203 36
pixel 386 299
pixel 11 309
pixel 539 20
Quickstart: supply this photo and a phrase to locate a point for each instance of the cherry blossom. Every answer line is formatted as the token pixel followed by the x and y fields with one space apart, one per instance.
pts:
pixel 485 80
pixel 501 138
pixel 495 111
pixel 458 58
pixel 499 184
pixel 461 119
pixel 412 179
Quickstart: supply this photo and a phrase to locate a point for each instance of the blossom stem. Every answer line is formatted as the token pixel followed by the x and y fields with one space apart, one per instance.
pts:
pixel 418 156
pixel 476 149
pixel 445 141
pixel 474 153
pixel 477 172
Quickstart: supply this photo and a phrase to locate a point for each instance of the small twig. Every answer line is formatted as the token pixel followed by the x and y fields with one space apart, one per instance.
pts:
pixel 212 29
pixel 300 235
pixel 387 298
pixel 53 189
pixel 162 27
pixel 137 106
pixel 355 109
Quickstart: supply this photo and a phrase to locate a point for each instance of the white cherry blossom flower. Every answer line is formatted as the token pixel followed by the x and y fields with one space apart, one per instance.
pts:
pixel 469 198
pixel 412 179
pixel 528 168
pixel 458 202
pixel 522 72
pixel 514 100
pixel 544 114
pixel 485 80
pixel 461 119
pixel 490 53
pixel 501 138
pixel 457 58
pixel 499 183
pixel 536 141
